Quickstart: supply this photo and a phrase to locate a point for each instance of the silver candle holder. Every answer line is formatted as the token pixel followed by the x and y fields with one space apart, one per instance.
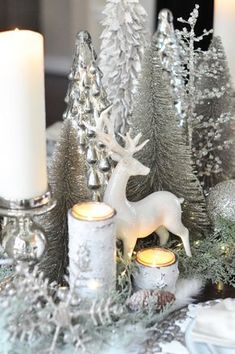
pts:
pixel 23 239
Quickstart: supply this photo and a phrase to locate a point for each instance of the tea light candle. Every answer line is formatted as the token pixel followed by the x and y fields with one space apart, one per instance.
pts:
pixel 157 268
pixel 92 249
pixel 22 118
pixel 92 211
pixel 224 26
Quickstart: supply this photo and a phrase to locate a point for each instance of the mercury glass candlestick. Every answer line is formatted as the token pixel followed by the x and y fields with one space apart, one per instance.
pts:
pixel 156 268
pixel 22 239
pixel 23 178
pixel 92 249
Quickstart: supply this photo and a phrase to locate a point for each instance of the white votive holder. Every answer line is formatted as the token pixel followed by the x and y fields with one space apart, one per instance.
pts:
pixel 92 249
pixel 156 268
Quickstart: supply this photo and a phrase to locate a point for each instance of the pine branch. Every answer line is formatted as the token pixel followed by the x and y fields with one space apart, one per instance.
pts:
pixel 39 316
pixel 213 257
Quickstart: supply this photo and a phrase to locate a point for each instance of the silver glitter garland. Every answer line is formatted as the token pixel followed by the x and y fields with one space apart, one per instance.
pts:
pixel 190 56
pixel 86 98
pixel 221 201
pixel 169 53
pixel 166 154
pixel 67 176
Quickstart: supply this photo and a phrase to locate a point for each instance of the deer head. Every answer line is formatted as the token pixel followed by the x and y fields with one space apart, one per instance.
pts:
pixel 121 154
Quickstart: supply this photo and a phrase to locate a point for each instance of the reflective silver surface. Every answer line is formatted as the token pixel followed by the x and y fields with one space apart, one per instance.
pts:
pixel 22 238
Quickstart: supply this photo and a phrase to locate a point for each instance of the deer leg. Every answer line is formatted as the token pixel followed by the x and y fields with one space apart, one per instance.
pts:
pixel 181 231
pixel 163 234
pixel 128 247
pixel 185 239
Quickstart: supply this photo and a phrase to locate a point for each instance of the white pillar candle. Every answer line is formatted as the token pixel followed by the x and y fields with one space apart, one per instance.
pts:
pixel 224 26
pixel 156 268
pixel 22 115
pixel 92 249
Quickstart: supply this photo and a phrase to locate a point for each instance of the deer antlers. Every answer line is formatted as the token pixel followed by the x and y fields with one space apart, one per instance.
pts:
pixel 130 144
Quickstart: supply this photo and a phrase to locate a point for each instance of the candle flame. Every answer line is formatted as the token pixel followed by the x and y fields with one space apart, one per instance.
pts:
pixel 92 211
pixel 155 257
pixel 94 284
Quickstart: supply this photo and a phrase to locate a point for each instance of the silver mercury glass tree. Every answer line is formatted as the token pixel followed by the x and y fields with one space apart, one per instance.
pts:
pixel 86 99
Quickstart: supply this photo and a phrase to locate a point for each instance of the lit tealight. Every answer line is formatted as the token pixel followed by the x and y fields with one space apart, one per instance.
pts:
pixel 155 257
pixel 94 284
pixel 92 211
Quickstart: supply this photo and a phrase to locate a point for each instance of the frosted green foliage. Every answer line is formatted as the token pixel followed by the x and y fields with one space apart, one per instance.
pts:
pixel 213 257
pixel 39 317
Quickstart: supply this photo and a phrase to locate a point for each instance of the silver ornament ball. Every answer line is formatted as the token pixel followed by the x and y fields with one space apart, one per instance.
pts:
pixel 23 240
pixel 221 201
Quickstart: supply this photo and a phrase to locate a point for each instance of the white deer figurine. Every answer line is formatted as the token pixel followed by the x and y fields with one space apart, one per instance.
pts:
pixel 159 212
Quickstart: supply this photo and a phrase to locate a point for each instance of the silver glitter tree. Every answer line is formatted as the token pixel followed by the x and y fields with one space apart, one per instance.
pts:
pixel 213 143
pixel 86 98
pixel 67 176
pixel 169 53
pixel 166 154
pixel 122 48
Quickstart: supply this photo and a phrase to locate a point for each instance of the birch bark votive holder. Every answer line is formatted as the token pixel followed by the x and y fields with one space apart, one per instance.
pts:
pixel 92 249
pixel 156 268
